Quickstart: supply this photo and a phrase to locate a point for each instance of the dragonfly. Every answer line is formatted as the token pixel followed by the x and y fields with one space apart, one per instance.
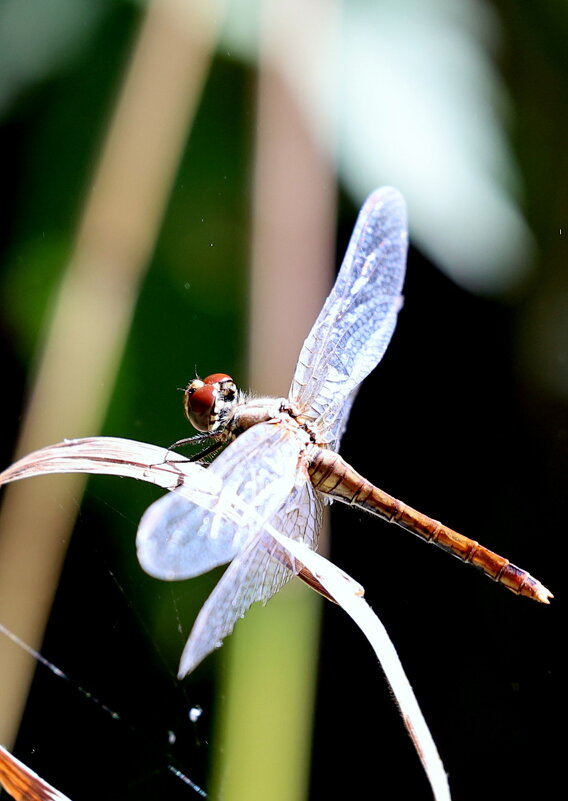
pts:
pixel 277 459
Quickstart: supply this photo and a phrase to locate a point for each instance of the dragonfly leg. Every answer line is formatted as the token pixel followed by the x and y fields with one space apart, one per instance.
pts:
pixel 213 447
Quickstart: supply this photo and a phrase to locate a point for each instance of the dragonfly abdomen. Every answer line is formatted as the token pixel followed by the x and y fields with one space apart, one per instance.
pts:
pixel 331 475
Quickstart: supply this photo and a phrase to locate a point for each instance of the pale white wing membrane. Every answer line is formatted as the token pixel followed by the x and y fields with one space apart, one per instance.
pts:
pixel 356 323
pixel 256 574
pixel 180 538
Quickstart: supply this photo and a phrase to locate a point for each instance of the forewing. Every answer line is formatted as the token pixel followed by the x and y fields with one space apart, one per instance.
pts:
pixel 244 487
pixel 356 323
pixel 256 574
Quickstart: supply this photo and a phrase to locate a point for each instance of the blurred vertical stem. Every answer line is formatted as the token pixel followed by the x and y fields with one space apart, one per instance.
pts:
pixel 92 313
pixel 265 717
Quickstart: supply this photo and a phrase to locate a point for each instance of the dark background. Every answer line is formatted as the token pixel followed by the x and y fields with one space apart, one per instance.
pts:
pixel 457 421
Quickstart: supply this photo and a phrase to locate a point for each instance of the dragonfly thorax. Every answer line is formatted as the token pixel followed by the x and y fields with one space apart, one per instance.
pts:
pixel 209 402
pixel 250 411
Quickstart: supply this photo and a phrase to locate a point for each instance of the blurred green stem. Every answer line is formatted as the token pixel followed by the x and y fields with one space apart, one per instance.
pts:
pixel 266 706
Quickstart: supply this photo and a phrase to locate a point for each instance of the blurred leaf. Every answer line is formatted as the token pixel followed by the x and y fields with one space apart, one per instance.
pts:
pixel 419 105
pixel 37 38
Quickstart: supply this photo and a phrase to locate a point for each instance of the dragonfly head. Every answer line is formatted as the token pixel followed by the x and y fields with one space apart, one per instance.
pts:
pixel 207 402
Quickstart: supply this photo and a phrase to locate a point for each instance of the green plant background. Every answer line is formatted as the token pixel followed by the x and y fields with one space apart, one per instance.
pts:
pixel 465 419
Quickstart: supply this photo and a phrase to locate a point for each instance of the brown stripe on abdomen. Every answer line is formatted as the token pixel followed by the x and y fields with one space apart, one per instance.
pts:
pixel 331 475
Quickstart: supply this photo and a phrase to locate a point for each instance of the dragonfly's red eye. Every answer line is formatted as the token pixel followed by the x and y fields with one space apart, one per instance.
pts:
pixel 201 398
pixel 198 403
pixel 217 378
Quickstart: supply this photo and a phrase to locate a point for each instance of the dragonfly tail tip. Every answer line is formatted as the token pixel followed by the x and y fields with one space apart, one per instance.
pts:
pixel 543 595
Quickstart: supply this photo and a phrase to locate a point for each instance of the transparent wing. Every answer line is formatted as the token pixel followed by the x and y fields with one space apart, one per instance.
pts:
pixel 244 487
pixel 256 574
pixel 356 323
